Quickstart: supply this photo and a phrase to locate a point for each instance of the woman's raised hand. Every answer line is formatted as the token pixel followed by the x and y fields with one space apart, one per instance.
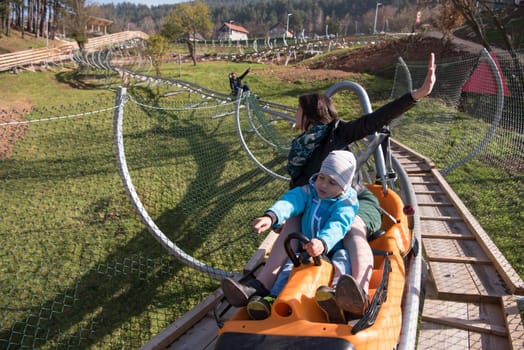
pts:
pixel 429 82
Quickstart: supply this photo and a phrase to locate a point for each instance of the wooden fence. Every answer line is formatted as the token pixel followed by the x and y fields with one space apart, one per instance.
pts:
pixel 42 57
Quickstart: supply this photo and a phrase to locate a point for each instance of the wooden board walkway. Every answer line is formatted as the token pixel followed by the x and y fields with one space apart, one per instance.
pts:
pixel 470 289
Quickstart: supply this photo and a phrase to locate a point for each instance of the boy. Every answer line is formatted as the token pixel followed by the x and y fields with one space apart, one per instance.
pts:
pixel 328 205
pixel 235 83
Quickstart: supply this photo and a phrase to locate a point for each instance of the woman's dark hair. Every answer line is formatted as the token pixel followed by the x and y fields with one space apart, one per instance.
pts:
pixel 317 109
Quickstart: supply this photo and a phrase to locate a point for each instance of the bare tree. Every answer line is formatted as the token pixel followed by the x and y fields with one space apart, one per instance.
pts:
pixel 498 24
pixel 446 19
pixel 148 25
pixel 468 9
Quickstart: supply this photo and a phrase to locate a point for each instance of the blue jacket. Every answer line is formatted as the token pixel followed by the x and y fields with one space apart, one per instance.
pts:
pixel 326 219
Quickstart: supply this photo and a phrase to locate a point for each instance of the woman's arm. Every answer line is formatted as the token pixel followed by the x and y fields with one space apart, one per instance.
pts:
pixel 244 74
pixel 429 82
pixel 372 122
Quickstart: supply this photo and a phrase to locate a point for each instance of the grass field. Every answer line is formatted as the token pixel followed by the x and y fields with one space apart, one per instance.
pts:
pixel 64 88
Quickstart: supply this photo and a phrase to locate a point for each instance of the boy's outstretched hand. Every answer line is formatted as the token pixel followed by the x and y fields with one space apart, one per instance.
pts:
pixel 262 224
pixel 429 82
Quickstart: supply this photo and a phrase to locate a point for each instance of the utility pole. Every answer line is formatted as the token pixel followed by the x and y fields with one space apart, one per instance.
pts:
pixel 230 31
pixel 376 14
pixel 284 37
pixel 287 24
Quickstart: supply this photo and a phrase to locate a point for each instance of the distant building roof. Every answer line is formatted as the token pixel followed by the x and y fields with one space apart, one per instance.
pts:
pixel 99 21
pixel 236 28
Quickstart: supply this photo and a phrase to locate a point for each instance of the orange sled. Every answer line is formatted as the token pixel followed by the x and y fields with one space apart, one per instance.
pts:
pixel 296 321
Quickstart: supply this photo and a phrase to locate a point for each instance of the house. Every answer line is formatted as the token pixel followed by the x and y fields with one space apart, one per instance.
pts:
pixel 278 30
pixel 97 26
pixel 230 31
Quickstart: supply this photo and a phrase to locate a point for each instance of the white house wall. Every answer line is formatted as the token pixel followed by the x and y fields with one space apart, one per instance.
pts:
pixel 233 35
pixel 238 36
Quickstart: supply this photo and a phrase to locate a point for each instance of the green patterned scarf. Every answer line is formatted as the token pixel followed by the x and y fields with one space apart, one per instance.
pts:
pixel 303 146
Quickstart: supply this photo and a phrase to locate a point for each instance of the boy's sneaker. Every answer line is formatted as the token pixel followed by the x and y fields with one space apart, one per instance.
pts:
pixel 325 298
pixel 259 308
pixel 351 297
pixel 238 294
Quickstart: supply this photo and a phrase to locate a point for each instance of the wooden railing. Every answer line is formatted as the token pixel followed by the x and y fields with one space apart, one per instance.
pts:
pixel 39 57
pixel 44 56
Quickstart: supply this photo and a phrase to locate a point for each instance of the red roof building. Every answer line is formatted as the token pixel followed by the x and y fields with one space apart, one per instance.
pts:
pixel 230 31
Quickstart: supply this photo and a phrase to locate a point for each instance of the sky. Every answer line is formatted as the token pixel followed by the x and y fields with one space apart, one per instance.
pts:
pixel 142 2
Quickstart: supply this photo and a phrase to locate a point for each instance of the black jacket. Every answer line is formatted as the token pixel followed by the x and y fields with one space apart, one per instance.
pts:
pixel 342 133
pixel 237 84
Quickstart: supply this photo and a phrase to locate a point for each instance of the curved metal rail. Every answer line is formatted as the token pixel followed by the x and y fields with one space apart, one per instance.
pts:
pixel 137 203
pixel 498 115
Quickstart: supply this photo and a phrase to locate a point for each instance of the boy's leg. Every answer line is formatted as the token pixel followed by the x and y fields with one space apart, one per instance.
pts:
pixel 325 296
pixel 278 255
pixel 259 308
pixel 238 294
pixel 282 278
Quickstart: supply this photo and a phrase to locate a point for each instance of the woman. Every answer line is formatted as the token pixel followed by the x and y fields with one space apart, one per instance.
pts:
pixel 323 132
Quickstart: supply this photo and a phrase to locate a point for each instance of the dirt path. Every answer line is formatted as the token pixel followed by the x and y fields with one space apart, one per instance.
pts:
pixel 374 58
pixel 10 133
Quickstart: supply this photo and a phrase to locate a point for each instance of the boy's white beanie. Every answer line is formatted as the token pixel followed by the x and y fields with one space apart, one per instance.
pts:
pixel 340 166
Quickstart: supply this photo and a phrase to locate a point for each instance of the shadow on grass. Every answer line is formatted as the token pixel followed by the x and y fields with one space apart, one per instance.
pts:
pixel 135 289
pixel 84 81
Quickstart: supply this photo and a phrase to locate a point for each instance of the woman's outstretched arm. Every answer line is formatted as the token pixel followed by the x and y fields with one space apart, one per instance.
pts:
pixel 429 82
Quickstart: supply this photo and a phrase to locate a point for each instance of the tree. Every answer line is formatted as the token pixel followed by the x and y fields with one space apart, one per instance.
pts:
pixel 6 20
pixel 148 25
pixel 156 48
pixel 468 9
pixel 185 22
pixel 76 21
pixel 446 18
